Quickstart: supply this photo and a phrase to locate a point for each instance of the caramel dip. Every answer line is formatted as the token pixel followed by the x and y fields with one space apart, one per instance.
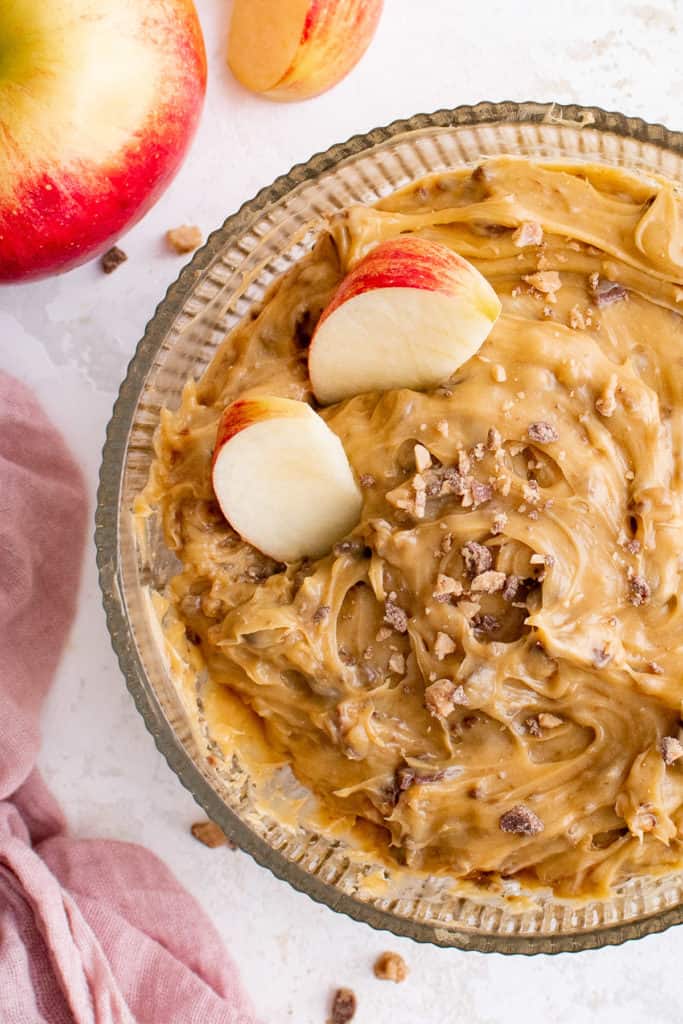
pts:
pixel 485 676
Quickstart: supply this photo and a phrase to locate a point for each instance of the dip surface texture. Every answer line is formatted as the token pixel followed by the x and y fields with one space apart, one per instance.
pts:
pixel 486 675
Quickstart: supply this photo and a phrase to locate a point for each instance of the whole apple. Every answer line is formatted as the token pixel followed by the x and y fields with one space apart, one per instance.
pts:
pixel 99 100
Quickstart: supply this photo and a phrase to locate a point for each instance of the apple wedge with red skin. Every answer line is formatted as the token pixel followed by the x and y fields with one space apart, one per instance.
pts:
pixel 294 49
pixel 407 316
pixel 99 101
pixel 282 478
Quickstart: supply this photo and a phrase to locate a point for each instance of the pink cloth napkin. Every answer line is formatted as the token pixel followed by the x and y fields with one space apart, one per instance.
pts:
pixel 91 931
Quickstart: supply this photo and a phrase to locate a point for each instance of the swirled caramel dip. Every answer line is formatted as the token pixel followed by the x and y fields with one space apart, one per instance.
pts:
pixel 486 669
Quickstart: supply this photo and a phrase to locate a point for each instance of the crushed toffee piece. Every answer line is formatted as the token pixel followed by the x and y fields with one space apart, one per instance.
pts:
pixel 343 1006
pixel 521 821
pixel 112 259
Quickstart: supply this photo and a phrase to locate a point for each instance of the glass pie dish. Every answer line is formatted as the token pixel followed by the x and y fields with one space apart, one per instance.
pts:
pixel 213 293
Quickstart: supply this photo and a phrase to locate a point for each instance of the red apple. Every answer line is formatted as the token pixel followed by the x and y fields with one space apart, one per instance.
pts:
pixel 293 49
pixel 282 478
pixel 99 100
pixel 408 315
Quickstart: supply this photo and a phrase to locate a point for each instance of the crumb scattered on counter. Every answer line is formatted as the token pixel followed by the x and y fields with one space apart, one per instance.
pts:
pixel 343 1006
pixel 186 238
pixel 112 259
pixel 208 833
pixel 391 967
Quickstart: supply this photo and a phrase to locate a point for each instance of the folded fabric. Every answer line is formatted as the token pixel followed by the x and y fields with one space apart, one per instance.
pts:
pixel 91 931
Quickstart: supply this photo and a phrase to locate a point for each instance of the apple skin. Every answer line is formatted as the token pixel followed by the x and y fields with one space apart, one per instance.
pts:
pixel 244 412
pixel 334 35
pixel 68 191
pixel 405 262
pixel 407 315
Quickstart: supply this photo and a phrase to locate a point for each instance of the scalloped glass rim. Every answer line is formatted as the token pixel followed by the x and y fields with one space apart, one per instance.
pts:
pixel 655 149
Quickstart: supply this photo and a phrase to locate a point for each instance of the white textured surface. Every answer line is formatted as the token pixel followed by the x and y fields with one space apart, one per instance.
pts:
pixel 71 339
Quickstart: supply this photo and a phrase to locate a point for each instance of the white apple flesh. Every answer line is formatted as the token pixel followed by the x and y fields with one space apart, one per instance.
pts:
pixel 408 315
pixel 282 478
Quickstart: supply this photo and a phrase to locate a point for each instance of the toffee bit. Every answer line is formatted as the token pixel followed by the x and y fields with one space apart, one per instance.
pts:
pixel 548 282
pixel 529 232
pixel 499 523
pixel 481 493
pixel 601 657
pixel 343 1006
pixel 655 668
pixel 395 617
pixel 397 664
pixel 671 749
pixel 478 451
pixel 208 833
pixel 493 439
pixel 390 967
pixel 112 259
pixel 549 721
pixel 521 821
pixel 542 432
pixel 498 373
pixel 512 586
pixel 383 633
pixel 321 613
pixel 443 696
pixel 638 590
pixel 446 587
pixel 606 292
pixel 533 727
pixel 477 558
pixel 367 480
pixel 348 547
pixel 485 625
pixel 489 582
pixel 443 646
pixel 423 459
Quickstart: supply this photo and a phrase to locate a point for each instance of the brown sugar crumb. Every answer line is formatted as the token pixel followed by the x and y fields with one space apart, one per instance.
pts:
pixel 383 633
pixel 186 238
pixel 529 232
pixel 512 587
pixel 638 590
pixel 489 582
pixel 548 282
pixel 343 1006
pixel 542 432
pixel 367 480
pixel 477 558
pixel 671 749
pixel 112 259
pixel 423 459
pixel 443 646
pixel 443 696
pixel 521 821
pixel 397 663
pixel 390 967
pixel 655 668
pixel 208 833
pixel 321 614
pixel 533 727
pixel 395 617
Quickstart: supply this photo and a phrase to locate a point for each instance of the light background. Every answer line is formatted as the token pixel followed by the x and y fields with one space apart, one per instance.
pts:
pixel 71 339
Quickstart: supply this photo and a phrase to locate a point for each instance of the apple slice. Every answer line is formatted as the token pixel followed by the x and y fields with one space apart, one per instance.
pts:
pixel 282 478
pixel 408 315
pixel 293 49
